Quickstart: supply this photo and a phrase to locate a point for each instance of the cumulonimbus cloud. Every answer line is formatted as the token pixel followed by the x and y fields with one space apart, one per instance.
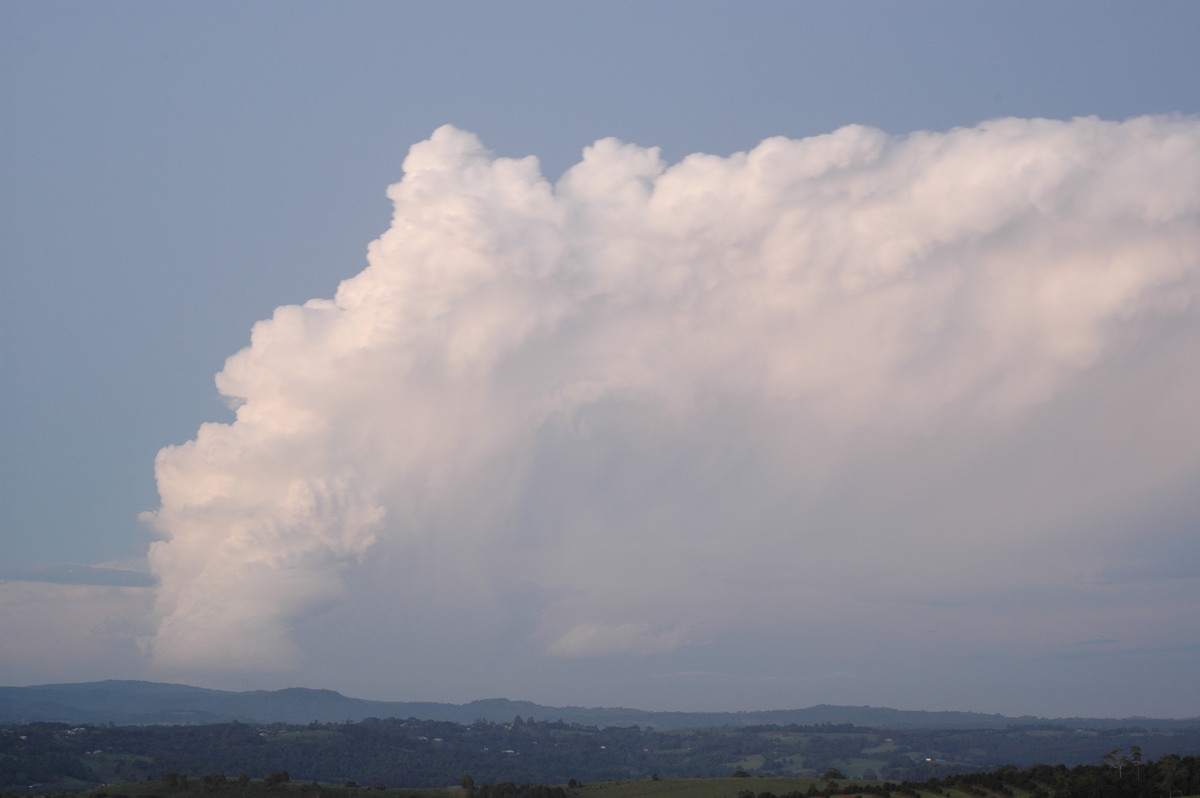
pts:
pixel 645 374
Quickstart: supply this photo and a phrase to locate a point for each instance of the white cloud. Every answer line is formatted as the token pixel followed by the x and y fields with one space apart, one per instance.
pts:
pixel 668 402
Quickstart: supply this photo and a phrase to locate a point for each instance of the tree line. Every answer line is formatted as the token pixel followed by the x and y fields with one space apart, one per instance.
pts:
pixel 1119 775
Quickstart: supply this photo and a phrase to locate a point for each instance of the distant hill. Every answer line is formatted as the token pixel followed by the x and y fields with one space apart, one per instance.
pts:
pixel 139 702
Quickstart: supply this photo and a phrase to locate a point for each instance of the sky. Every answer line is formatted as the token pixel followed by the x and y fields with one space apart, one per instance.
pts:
pixel 681 355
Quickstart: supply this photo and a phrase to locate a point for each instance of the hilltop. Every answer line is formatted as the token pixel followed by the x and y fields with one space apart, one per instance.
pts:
pixel 141 702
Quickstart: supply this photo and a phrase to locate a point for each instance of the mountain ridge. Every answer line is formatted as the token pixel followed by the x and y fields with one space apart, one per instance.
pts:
pixel 136 702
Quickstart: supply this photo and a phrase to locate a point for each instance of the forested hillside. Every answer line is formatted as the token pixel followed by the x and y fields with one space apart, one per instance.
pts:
pixel 420 753
pixel 1119 776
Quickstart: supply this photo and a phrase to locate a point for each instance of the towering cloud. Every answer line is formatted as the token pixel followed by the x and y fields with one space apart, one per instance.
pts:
pixel 670 401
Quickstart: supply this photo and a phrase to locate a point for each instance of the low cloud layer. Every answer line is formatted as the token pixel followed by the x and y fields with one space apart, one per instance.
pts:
pixel 909 391
pixel 55 630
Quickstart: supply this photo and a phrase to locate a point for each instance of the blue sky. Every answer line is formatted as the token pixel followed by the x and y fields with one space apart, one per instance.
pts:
pixel 173 173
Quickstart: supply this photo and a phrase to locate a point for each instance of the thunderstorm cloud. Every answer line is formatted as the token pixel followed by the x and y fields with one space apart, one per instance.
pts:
pixel 937 386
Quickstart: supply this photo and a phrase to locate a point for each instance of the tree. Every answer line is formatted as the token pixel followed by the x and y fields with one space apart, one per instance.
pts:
pixel 1135 756
pixel 1114 760
pixel 213 782
pixel 277 778
pixel 175 781
pixel 1170 768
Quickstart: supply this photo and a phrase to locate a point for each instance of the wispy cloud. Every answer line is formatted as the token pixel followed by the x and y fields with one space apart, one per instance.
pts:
pixel 73 574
